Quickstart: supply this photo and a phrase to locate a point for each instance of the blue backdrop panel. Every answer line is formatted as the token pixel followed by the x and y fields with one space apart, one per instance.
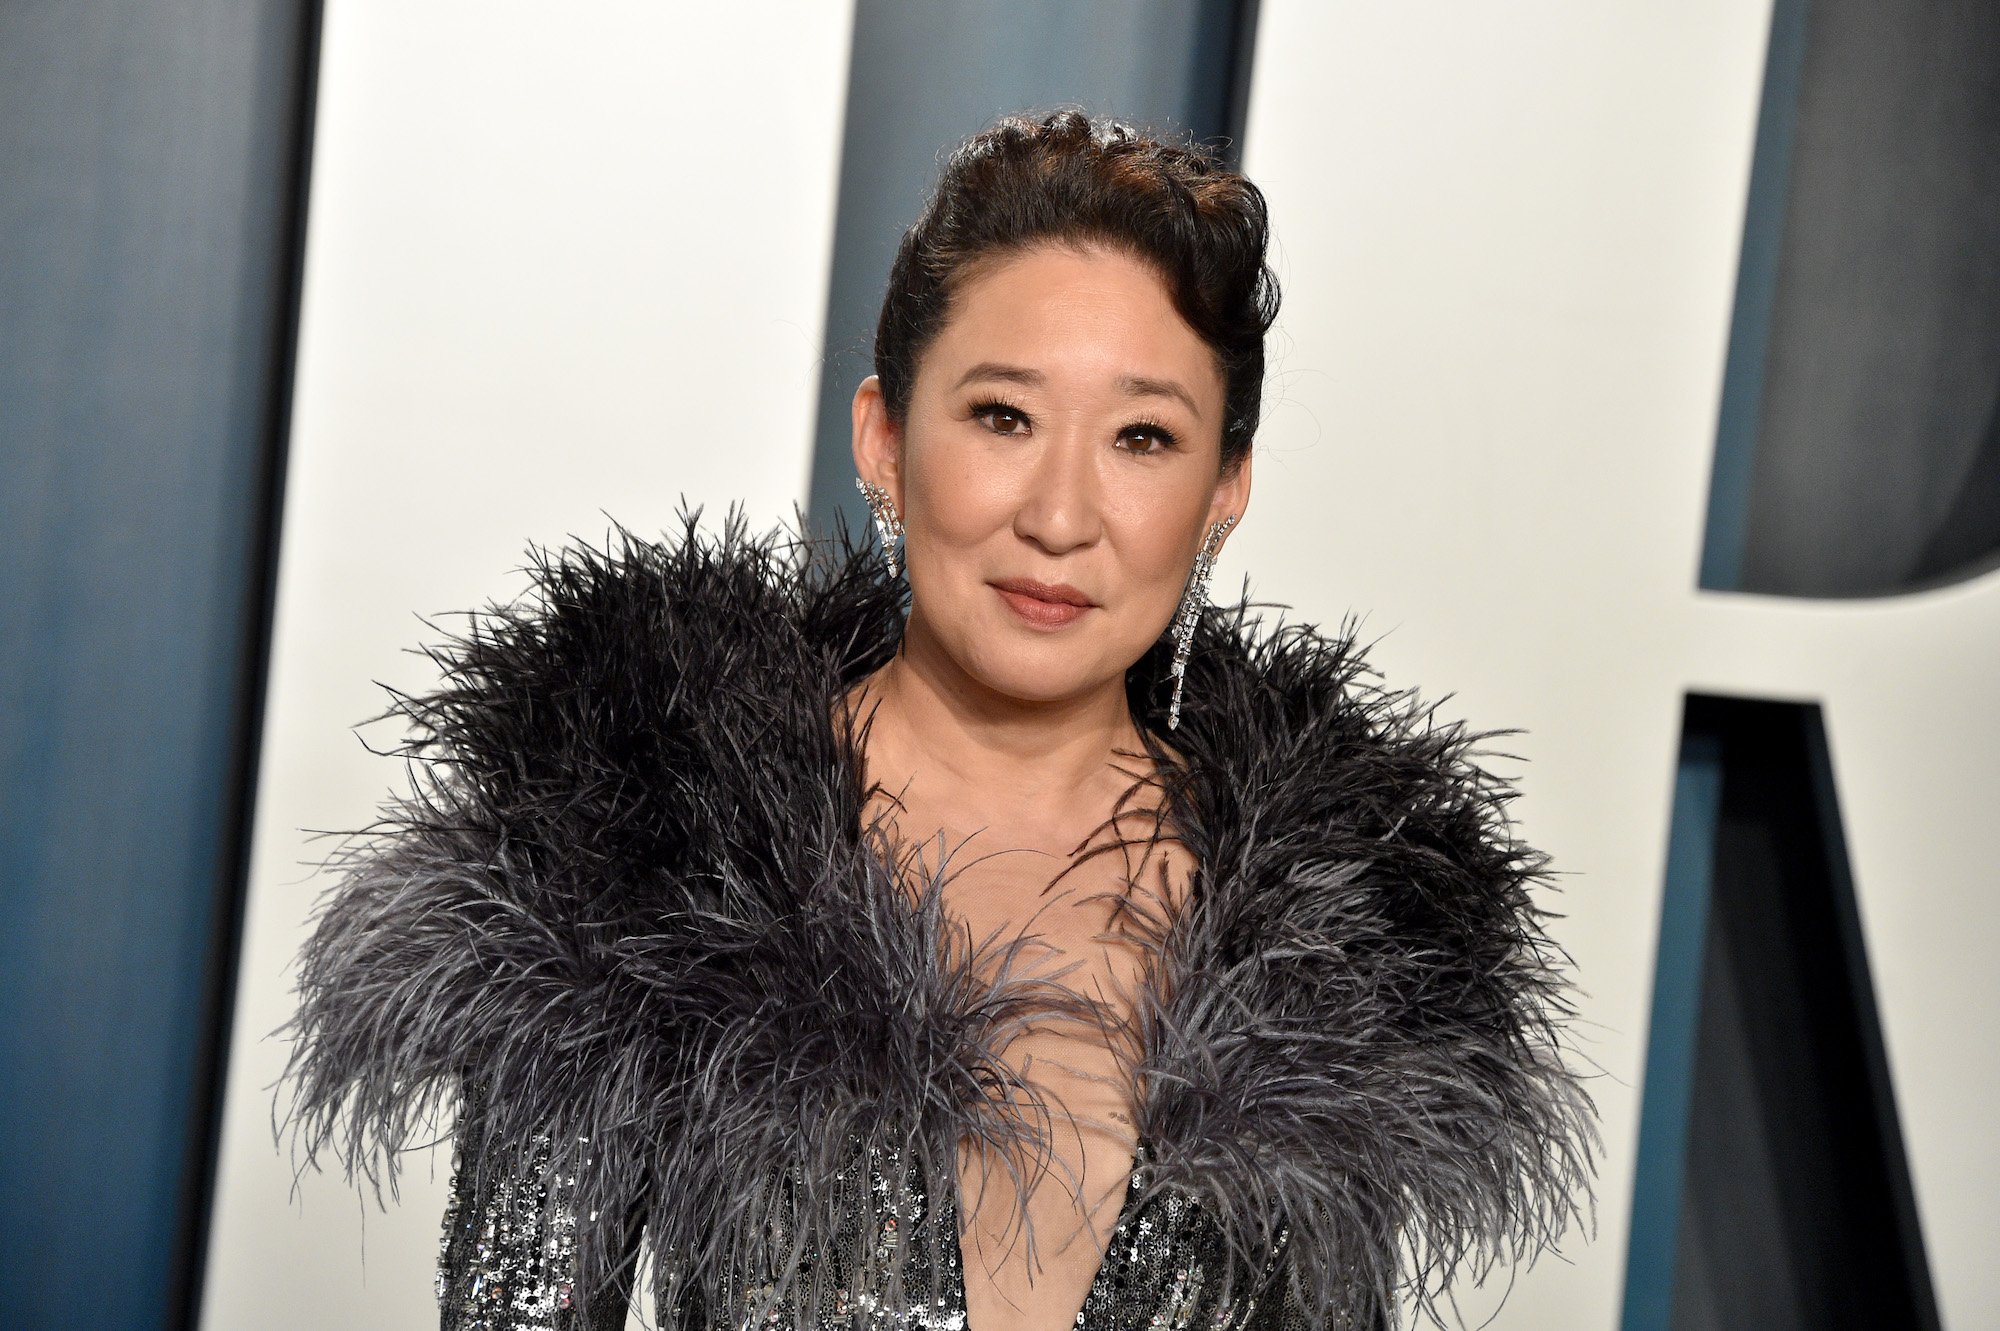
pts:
pixel 1858 452
pixel 1663 1110
pixel 151 169
pixel 1773 1191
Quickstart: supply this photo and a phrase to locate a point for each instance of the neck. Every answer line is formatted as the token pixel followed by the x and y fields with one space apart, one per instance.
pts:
pixel 1023 752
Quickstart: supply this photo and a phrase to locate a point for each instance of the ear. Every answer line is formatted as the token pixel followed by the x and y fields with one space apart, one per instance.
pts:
pixel 1232 495
pixel 878 444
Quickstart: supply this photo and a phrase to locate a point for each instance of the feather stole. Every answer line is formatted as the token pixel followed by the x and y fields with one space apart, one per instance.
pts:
pixel 630 890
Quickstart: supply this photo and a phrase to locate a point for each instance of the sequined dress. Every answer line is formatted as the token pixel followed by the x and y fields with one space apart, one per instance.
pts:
pixel 506 1263
pixel 629 920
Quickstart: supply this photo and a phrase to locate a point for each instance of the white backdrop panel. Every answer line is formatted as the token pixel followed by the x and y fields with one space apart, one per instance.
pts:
pixel 562 262
pixel 1509 238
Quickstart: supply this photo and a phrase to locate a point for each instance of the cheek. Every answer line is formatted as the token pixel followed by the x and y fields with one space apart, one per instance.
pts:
pixel 1156 564
pixel 1157 529
pixel 953 502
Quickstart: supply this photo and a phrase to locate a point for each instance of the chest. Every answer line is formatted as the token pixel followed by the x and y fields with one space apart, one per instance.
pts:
pixel 1079 902
pixel 1083 903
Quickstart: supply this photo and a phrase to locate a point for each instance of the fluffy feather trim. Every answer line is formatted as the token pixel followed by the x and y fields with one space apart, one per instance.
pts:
pixel 631 891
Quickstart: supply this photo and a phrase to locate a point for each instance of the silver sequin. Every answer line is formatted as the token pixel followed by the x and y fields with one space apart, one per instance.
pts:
pixel 506 1265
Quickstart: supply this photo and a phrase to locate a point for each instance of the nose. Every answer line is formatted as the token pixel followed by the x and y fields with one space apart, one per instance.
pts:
pixel 1060 509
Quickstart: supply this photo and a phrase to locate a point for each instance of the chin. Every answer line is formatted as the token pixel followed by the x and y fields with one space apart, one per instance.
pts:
pixel 1046 670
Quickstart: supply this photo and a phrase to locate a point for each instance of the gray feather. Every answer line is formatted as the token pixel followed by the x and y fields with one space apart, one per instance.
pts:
pixel 630 889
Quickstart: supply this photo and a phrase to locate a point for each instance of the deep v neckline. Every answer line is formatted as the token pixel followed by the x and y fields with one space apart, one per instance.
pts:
pixel 846 734
pixel 1120 1225
pixel 1146 992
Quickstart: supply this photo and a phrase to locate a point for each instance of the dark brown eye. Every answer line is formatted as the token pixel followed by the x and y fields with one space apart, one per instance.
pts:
pixel 1000 418
pixel 1152 439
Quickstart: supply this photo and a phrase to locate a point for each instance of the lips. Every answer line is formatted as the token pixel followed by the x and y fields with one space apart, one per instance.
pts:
pixel 1060 593
pixel 1043 605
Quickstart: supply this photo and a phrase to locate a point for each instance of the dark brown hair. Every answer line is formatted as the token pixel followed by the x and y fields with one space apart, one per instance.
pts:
pixel 1066 178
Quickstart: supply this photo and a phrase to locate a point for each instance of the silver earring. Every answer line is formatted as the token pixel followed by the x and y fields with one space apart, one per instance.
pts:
pixel 1193 598
pixel 887 520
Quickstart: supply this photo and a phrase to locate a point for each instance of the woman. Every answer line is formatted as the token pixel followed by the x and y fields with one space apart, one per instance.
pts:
pixel 1059 952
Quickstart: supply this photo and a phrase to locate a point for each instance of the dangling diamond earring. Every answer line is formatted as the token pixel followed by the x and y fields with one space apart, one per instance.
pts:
pixel 887 520
pixel 1193 598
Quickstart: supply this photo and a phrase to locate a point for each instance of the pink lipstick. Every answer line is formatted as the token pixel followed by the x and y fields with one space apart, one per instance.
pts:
pixel 1045 605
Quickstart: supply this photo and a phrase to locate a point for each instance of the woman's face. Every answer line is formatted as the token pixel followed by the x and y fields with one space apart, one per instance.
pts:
pixel 1064 429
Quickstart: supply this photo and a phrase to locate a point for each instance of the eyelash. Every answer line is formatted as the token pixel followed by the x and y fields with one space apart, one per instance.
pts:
pixel 1168 440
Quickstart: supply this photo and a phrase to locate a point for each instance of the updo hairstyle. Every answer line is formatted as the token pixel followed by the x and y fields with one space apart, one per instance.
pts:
pixel 1069 179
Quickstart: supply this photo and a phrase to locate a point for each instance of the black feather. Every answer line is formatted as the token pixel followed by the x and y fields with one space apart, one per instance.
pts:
pixel 632 891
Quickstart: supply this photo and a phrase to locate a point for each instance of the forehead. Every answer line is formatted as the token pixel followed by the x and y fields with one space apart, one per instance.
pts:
pixel 1077 311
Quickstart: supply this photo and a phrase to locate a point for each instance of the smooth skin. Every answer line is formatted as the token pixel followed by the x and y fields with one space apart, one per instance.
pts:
pixel 1064 426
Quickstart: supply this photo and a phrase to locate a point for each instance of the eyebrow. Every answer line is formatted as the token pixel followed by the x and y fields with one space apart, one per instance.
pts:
pixel 988 369
pixel 1132 385
pixel 1138 385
